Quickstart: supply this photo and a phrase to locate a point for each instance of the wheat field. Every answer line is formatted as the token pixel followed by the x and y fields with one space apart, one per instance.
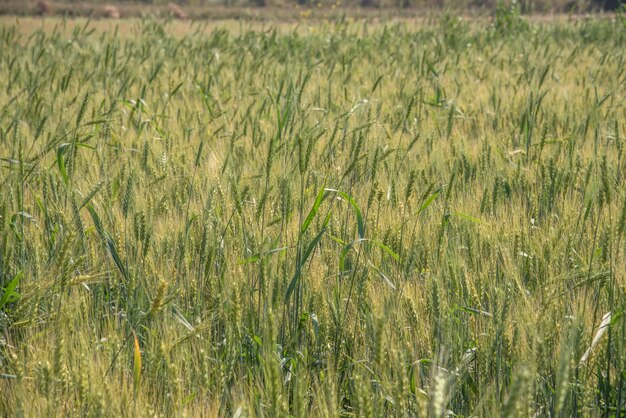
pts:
pixel 342 218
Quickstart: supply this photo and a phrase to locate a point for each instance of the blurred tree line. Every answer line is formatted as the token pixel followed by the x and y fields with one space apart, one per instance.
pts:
pixel 525 6
pixel 520 6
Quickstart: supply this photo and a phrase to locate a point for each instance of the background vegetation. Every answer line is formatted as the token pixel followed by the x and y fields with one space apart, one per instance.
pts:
pixel 281 10
pixel 348 219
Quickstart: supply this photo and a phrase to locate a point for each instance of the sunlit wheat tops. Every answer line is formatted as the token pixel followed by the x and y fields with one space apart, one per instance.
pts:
pixel 335 219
